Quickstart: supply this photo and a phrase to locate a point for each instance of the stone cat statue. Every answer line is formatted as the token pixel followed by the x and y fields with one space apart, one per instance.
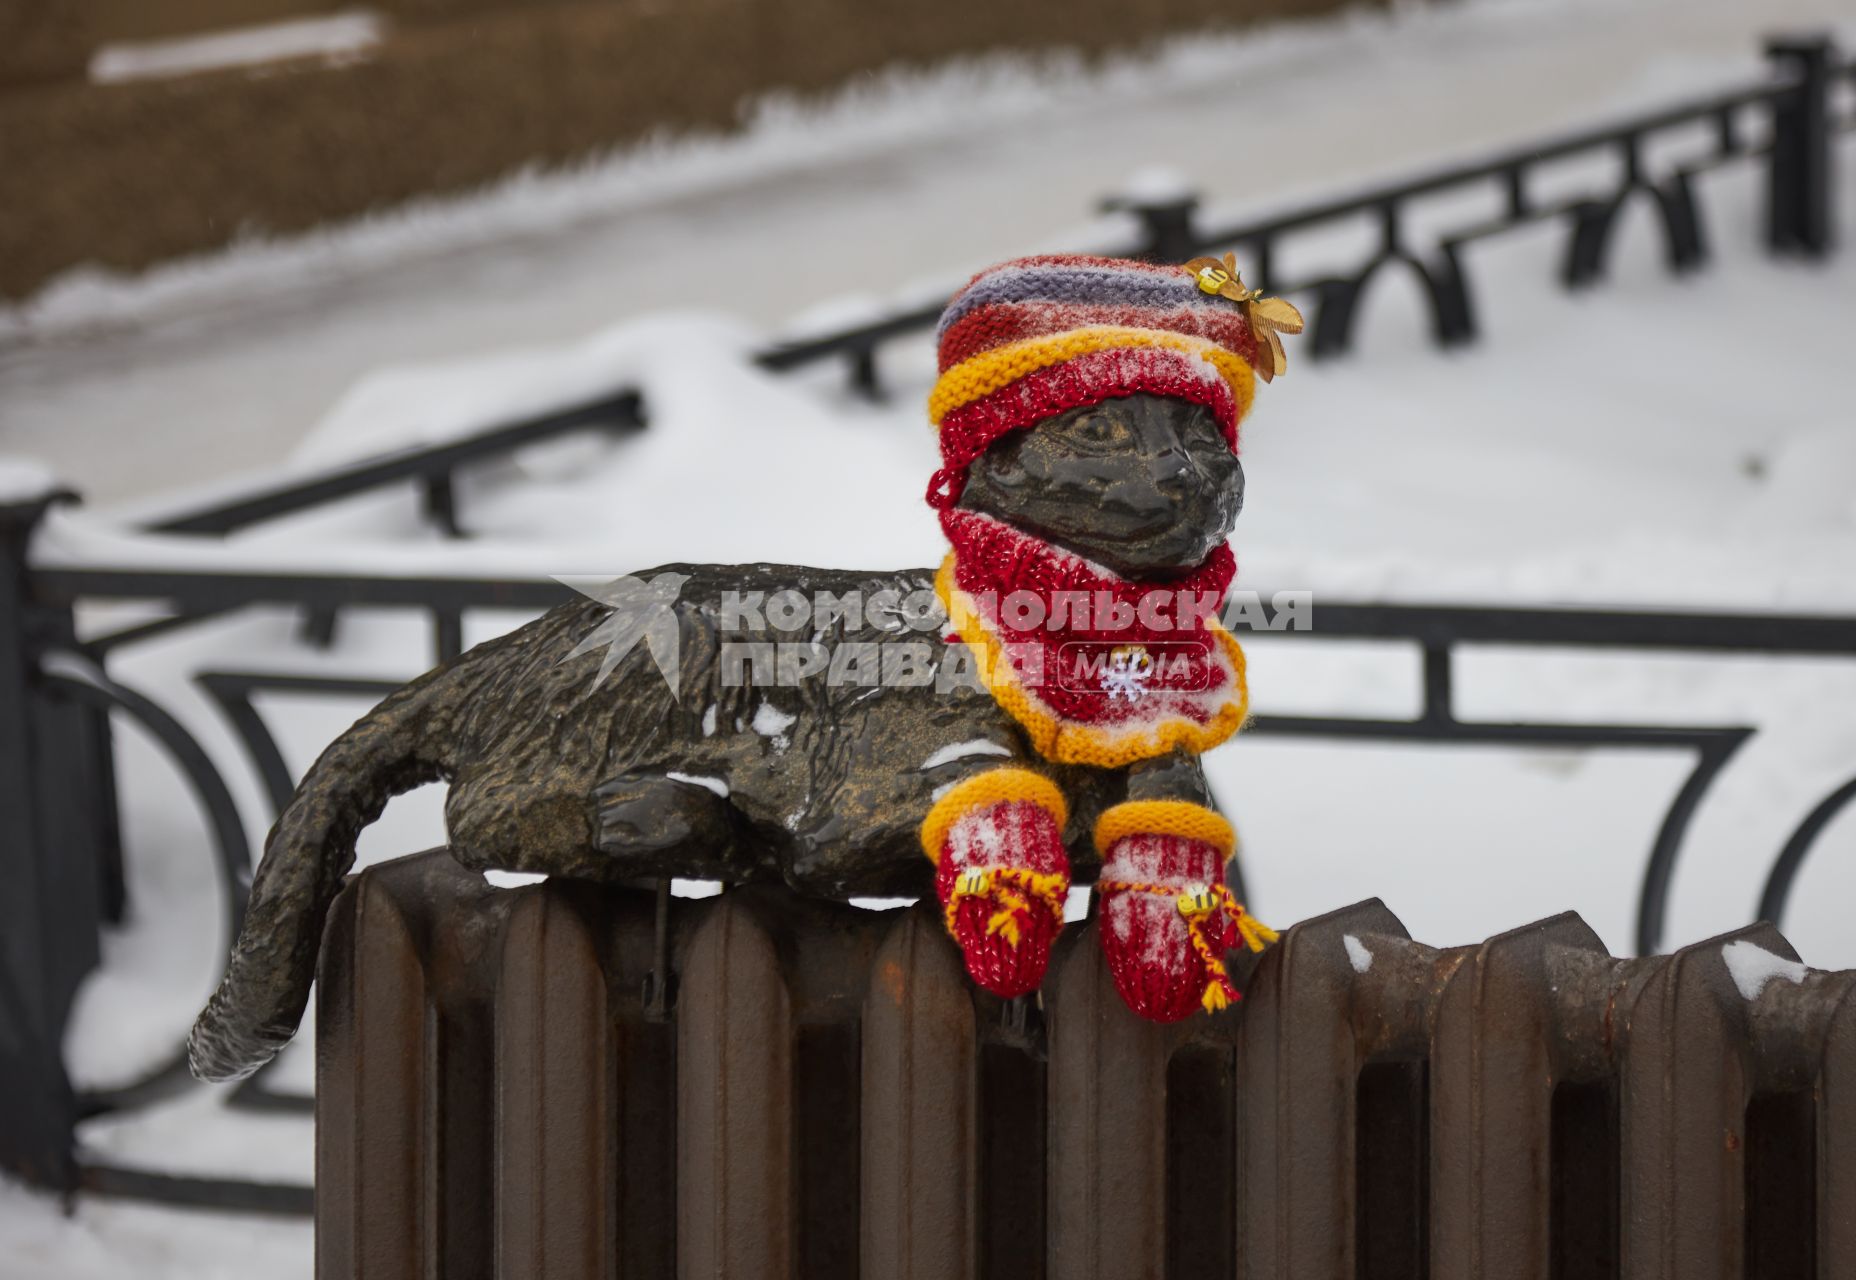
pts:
pixel 1029 714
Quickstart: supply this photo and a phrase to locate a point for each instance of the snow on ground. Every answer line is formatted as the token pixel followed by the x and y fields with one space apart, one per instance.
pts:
pixel 115 1240
pixel 333 36
pixel 1652 442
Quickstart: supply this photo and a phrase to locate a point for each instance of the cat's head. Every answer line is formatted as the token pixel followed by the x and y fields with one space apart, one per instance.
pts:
pixel 1144 485
pixel 1094 403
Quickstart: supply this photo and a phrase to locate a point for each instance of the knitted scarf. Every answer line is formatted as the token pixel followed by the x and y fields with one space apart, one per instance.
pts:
pixel 1099 669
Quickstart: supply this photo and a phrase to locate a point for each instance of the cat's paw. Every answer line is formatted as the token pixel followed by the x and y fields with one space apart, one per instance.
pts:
pixel 1001 874
pixel 1166 917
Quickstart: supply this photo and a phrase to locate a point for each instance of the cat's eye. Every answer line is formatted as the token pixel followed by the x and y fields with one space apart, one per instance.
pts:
pixel 1101 431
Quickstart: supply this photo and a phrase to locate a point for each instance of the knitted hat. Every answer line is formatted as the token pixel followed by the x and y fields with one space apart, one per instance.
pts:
pixel 1037 336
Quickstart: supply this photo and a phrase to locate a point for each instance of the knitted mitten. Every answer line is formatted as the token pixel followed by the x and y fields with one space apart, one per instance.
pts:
pixel 1166 917
pixel 996 840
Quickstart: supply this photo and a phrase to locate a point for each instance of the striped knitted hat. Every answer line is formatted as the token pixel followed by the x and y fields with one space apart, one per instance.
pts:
pixel 1036 336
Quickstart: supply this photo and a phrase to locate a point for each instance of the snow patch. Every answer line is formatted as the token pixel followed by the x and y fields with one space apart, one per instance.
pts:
pixel 976 840
pixel 1157 184
pixel 696 780
pixel 25 480
pixel 695 888
pixel 1751 967
pixel 771 722
pixel 1357 955
pixel 963 750
pixel 99 1238
pixel 708 722
pixel 846 311
pixel 1151 858
pixel 513 879
pixel 340 36
pixel 1118 915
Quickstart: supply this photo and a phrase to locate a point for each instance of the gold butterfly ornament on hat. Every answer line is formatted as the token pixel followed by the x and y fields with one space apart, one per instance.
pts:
pixel 1266 316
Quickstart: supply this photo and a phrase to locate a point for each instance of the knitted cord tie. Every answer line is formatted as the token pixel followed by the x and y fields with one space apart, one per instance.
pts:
pixel 1014 891
pixel 945 486
pixel 1205 908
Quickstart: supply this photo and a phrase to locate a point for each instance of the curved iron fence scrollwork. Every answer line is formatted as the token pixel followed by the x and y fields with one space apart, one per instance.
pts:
pixel 1785 867
pixel 76 677
pixel 56 770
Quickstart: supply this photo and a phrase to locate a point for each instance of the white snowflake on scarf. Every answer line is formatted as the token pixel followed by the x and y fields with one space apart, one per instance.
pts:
pixel 1127 673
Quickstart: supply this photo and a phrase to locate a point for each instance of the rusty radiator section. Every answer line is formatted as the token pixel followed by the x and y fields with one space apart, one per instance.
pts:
pixel 563 1081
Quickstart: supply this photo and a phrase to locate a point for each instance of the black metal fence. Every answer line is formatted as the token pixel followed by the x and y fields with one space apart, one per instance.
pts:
pixel 1788 119
pixel 61 860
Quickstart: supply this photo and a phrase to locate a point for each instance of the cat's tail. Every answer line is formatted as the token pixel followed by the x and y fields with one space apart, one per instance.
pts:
pixel 405 742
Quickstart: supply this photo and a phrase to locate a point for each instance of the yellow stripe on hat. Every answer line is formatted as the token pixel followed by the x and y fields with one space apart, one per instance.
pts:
pixel 990 371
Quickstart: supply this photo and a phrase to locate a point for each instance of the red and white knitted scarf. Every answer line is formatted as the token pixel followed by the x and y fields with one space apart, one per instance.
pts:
pixel 1099 669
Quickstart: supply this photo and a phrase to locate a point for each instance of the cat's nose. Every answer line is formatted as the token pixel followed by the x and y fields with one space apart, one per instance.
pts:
pixel 1172 472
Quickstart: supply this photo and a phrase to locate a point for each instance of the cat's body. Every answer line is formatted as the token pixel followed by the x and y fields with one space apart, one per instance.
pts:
pixel 818 779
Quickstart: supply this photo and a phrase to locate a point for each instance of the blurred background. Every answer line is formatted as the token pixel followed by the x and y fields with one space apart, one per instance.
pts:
pixel 349 329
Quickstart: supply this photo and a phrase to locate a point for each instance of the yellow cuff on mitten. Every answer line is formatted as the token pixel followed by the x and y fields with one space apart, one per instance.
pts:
pixel 982 791
pixel 1165 818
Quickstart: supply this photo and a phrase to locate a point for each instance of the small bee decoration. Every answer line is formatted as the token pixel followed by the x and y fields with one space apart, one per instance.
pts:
pixel 1267 316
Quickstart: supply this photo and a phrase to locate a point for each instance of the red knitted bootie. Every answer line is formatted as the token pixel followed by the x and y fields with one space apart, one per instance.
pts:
pixel 1001 873
pixel 1166 917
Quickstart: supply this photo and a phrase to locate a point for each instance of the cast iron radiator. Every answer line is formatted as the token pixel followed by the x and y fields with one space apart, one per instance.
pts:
pixel 563 1081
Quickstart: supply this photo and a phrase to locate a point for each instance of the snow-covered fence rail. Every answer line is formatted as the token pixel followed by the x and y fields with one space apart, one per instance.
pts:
pixel 827 1096
pixel 1797 105
pixel 432 467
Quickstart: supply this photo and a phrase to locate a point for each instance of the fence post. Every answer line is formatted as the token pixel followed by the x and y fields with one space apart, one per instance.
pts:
pixel 1167 231
pixel 41 955
pixel 1798 178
